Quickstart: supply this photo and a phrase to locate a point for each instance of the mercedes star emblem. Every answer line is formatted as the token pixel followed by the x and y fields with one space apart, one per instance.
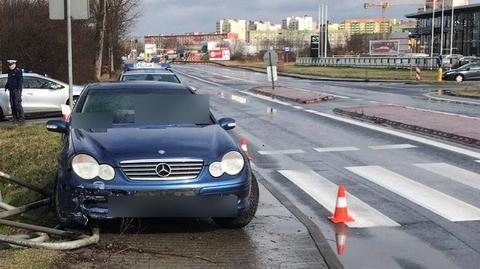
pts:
pixel 163 170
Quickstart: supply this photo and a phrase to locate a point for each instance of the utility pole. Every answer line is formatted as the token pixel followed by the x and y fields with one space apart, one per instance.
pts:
pixel 451 30
pixel 68 6
pixel 441 30
pixel 433 29
pixel 320 21
pixel 326 30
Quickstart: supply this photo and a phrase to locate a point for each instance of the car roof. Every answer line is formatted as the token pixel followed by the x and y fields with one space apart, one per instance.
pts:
pixel 149 71
pixel 139 85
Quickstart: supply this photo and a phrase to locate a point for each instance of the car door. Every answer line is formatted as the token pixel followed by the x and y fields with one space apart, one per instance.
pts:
pixel 475 72
pixel 4 97
pixel 41 95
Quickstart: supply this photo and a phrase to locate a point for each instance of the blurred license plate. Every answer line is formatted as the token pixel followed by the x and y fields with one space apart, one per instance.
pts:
pixel 172 206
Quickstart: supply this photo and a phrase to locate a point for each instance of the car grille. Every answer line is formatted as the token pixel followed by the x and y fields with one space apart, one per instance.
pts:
pixel 162 169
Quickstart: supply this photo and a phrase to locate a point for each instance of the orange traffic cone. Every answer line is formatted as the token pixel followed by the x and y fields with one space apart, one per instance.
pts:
pixel 341 211
pixel 244 147
pixel 341 238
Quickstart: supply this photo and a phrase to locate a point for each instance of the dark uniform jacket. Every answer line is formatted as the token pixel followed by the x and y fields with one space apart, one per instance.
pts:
pixel 15 79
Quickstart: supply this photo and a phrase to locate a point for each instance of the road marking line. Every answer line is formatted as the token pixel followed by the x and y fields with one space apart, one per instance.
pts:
pixel 424 196
pixel 280 152
pixel 197 78
pixel 267 98
pixel 398 146
pixel 336 149
pixel 324 192
pixel 454 173
pixel 298 107
pixel 418 139
pixel 422 140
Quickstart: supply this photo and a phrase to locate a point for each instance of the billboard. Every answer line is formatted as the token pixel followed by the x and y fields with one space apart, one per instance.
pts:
pixel 222 54
pixel 384 47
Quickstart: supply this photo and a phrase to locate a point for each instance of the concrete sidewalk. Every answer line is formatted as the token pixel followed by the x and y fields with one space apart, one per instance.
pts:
pixel 455 128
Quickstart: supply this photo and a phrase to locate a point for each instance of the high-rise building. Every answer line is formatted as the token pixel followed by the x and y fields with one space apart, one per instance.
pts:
pixel 367 26
pixel 239 27
pixel 304 23
pixel 262 26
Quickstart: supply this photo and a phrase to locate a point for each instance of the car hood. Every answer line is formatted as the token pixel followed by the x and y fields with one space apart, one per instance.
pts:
pixel 114 145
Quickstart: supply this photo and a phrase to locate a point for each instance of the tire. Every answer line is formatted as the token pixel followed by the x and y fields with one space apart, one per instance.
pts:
pixel 2 117
pixel 459 78
pixel 246 217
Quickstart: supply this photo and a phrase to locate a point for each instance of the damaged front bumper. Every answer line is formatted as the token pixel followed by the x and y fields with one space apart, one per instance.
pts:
pixel 80 204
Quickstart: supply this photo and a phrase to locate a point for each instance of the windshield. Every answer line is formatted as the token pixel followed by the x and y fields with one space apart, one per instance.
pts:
pixel 151 77
pixel 107 108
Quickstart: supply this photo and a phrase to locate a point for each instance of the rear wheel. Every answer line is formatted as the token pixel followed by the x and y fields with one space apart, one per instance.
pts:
pixel 459 78
pixel 247 215
pixel 2 117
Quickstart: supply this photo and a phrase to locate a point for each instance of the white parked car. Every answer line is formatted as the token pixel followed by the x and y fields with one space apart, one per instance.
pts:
pixel 40 94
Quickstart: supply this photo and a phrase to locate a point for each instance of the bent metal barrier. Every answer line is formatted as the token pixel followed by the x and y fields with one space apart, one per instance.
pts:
pixel 370 62
pixel 41 234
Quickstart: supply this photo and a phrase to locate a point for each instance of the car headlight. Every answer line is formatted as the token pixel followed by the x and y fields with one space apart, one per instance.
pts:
pixel 215 169
pixel 232 163
pixel 85 166
pixel 106 172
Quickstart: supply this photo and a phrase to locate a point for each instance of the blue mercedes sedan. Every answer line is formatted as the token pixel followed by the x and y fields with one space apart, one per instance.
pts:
pixel 149 150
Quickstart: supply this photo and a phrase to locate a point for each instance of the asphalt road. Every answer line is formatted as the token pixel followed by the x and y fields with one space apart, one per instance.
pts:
pixel 415 200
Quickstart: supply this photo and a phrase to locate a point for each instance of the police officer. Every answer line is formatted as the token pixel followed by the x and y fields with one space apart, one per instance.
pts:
pixel 14 86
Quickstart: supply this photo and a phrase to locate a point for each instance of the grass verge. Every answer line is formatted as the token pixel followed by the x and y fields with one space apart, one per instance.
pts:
pixel 29 153
pixel 345 72
pixel 469 91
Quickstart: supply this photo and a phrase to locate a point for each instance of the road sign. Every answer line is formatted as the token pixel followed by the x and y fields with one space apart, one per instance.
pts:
pixel 272 73
pixel 270 58
pixel 80 9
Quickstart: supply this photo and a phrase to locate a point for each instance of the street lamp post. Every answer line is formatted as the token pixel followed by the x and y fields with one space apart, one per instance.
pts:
pixel 433 29
pixel 441 29
pixel 451 30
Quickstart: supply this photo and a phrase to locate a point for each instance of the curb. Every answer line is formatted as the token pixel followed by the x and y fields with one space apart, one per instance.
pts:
pixel 448 100
pixel 472 142
pixel 296 100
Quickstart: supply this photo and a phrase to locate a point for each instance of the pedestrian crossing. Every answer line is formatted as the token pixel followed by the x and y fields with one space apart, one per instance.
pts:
pixel 451 208
pixel 336 149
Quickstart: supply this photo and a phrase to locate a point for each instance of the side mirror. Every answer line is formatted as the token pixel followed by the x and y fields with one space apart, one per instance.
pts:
pixel 193 89
pixel 227 123
pixel 468 69
pixel 58 126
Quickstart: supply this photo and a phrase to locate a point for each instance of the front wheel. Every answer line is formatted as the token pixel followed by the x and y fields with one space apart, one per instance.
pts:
pixel 459 78
pixel 63 220
pixel 247 215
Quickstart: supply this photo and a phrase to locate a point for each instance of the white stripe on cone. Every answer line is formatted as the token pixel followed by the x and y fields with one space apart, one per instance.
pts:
pixel 341 202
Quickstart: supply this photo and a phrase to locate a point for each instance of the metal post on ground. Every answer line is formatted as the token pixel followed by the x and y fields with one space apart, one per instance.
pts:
pixel 271 73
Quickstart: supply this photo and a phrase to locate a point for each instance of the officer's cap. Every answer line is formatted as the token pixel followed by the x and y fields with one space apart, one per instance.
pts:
pixel 11 61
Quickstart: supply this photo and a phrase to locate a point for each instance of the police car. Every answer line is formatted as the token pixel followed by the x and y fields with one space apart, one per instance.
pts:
pixel 40 94
pixel 149 72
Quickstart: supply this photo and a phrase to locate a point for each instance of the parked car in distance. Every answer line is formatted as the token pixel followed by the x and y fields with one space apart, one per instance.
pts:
pixel 150 149
pixel 40 94
pixel 465 72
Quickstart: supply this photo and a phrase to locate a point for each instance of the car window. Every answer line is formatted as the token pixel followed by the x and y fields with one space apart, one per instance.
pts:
pixel 39 83
pixel 151 77
pixel 475 67
pixel 3 81
pixel 137 107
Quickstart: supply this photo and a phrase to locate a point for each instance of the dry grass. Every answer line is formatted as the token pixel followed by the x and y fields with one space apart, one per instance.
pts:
pixel 29 153
pixel 469 91
pixel 345 72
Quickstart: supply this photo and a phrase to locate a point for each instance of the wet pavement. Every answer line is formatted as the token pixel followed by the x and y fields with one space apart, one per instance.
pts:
pixel 274 239
pixel 415 199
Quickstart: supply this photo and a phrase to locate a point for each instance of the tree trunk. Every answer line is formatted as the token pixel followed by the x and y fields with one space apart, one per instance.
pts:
pixel 101 40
